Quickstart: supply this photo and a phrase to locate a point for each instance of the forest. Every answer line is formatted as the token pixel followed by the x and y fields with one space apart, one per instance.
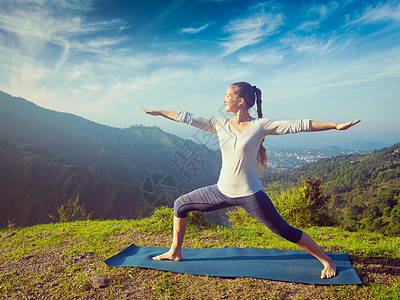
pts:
pixel 363 190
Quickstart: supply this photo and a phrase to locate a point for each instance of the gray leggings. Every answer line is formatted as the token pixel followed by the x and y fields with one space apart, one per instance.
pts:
pixel 258 205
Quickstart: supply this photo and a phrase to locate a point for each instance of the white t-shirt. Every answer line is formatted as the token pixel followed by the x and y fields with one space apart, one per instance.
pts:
pixel 238 175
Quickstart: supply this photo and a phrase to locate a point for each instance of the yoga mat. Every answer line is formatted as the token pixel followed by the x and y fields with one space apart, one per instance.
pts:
pixel 281 265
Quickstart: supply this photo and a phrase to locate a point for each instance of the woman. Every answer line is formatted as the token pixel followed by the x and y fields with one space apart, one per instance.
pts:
pixel 240 141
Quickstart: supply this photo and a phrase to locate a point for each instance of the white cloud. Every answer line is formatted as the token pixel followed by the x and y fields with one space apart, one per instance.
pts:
pixel 313 44
pixel 39 24
pixel 315 14
pixel 389 11
pixel 266 57
pixel 56 60
pixel 77 5
pixel 334 74
pixel 309 25
pixel 45 25
pixel 251 30
pixel 194 30
pixel 161 16
pixel 74 4
pixel 385 65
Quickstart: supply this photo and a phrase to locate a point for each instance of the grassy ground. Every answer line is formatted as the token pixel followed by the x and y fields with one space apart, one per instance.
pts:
pixel 57 261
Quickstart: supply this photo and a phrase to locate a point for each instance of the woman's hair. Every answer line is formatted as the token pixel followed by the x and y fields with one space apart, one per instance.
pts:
pixel 251 94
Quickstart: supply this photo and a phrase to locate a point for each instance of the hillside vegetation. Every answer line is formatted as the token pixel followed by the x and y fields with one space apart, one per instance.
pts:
pixel 364 189
pixel 48 157
pixel 122 154
pixel 59 261
pixel 34 183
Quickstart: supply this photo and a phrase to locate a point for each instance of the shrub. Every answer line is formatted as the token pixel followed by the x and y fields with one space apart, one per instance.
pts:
pixel 71 211
pixel 304 205
pixel 198 219
pixel 240 218
pixel 162 220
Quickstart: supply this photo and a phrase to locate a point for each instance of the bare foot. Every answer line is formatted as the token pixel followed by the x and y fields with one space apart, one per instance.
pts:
pixel 170 255
pixel 329 270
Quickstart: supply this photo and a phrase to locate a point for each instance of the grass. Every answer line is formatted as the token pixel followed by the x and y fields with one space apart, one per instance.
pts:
pixel 56 261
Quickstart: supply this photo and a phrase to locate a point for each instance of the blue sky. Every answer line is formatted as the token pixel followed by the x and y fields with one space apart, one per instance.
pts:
pixel 323 60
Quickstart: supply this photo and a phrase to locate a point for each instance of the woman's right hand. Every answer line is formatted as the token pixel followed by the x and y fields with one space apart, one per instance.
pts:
pixel 166 114
pixel 151 112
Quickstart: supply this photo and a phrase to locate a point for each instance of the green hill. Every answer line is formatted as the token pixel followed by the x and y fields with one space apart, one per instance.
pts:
pixel 48 157
pixel 58 261
pixel 364 189
pixel 34 183
pixel 122 154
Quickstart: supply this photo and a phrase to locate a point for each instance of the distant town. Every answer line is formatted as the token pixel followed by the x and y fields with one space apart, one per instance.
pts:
pixel 281 159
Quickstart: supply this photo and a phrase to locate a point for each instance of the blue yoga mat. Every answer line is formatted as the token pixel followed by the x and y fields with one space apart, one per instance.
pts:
pixel 281 265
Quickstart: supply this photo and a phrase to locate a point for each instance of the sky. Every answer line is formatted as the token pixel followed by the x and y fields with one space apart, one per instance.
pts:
pixel 330 61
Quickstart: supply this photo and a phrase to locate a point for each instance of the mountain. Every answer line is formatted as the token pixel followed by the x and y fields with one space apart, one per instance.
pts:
pixel 124 154
pixel 364 188
pixel 34 183
pixel 52 156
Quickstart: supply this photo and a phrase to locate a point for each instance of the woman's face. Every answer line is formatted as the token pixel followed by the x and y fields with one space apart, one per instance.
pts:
pixel 231 100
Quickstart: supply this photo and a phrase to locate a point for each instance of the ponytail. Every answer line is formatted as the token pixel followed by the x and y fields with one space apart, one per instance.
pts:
pixel 262 159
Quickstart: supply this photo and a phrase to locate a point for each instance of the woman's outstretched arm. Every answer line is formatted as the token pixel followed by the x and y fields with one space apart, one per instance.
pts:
pixel 166 114
pixel 320 126
pixel 185 117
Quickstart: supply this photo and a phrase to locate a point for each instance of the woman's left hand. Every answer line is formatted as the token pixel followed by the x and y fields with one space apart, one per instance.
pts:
pixel 344 126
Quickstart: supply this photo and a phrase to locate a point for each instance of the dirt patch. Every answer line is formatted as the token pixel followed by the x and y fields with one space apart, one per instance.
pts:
pixel 379 270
